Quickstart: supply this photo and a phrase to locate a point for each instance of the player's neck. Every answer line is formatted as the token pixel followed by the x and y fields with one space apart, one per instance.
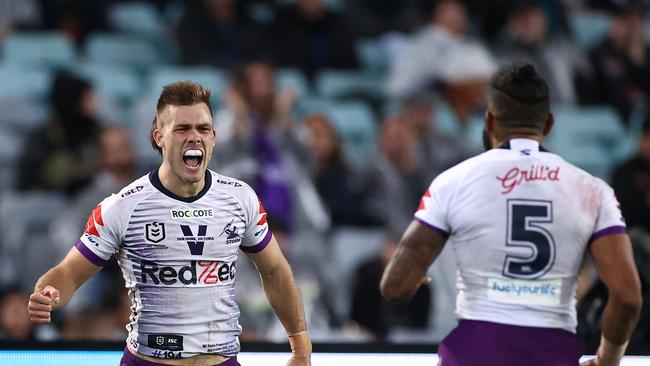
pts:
pixel 502 140
pixel 177 185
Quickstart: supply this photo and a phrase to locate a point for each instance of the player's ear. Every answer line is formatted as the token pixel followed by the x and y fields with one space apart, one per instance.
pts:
pixel 156 135
pixel 548 125
pixel 489 122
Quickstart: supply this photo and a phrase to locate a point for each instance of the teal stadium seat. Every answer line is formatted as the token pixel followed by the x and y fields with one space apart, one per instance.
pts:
pixel 121 49
pixel 39 49
pixel 292 79
pixel 18 81
pixel 114 82
pixel 136 17
pixel 206 76
pixel 593 138
pixel 372 55
pixel 340 84
pixel 589 28
pixel 355 124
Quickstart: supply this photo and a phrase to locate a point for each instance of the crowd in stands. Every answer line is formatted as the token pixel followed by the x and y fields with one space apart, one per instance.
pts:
pixel 338 112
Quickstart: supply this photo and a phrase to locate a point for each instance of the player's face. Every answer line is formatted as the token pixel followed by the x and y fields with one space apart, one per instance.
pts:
pixel 187 139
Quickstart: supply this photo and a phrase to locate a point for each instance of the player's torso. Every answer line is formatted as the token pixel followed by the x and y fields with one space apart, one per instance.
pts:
pixel 521 226
pixel 179 261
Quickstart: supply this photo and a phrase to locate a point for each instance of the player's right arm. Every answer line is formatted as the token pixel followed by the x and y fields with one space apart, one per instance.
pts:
pixel 55 288
pixel 614 262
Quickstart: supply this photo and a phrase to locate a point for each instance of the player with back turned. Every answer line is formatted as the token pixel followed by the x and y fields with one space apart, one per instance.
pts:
pixel 520 220
pixel 176 233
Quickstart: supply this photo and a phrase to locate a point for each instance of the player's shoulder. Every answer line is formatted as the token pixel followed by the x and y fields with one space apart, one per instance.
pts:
pixel 128 196
pixel 231 186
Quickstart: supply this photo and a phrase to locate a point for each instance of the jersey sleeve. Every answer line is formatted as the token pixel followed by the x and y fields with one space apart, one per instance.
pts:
pixel 433 209
pixel 610 218
pixel 101 237
pixel 257 235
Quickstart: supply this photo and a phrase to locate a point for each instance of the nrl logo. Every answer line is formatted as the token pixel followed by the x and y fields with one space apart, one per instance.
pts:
pixel 154 232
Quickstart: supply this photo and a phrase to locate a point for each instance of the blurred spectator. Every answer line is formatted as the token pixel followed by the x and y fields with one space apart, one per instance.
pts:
pixel 257 145
pixel 18 14
pixel 442 55
pixel 622 62
pixel 15 324
pixel 631 182
pixel 441 152
pixel 372 312
pixel 311 37
pixel 77 18
pixel 402 173
pixel 61 155
pixel 376 17
pixel 117 168
pixel 217 33
pixel 337 183
pixel 527 37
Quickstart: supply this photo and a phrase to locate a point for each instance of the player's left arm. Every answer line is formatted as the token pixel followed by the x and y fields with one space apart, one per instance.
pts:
pixel 284 296
pixel 407 270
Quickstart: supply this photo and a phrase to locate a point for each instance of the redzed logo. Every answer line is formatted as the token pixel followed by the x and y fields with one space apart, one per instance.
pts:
pixel 94 219
pixel 515 176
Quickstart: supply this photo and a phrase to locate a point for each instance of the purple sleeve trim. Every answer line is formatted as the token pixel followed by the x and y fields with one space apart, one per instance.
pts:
pixel 259 246
pixel 607 231
pixel 438 230
pixel 92 257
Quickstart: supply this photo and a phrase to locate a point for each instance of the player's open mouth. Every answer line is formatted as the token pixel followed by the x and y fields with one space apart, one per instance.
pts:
pixel 193 158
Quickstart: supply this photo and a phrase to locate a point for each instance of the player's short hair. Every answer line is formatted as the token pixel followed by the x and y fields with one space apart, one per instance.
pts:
pixel 180 93
pixel 518 96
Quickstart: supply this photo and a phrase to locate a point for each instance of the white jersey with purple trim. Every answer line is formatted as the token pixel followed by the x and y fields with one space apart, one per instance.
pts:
pixel 519 220
pixel 178 257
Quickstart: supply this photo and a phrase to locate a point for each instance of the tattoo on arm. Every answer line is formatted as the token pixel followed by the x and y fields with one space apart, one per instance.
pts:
pixel 407 270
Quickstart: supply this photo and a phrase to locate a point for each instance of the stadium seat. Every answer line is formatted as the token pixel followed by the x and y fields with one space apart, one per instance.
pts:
pixel 350 247
pixel 292 79
pixel 445 119
pixel 206 76
pixel 372 55
pixel 593 138
pixel 589 27
pixel 39 48
pixel 21 114
pixel 341 84
pixel 356 125
pixel 23 215
pixel 136 17
pixel 117 83
pixel 20 81
pixel 121 49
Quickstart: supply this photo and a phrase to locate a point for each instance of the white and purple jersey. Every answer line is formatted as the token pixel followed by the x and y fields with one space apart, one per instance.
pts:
pixel 178 258
pixel 519 219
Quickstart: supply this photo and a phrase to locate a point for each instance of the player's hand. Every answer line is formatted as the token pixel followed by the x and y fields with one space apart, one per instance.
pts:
pixel 296 360
pixel 41 303
pixel 592 362
pixel 301 349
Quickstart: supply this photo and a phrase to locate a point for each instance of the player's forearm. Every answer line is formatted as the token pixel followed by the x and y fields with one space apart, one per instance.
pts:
pixel 620 317
pixel 284 297
pixel 402 276
pixel 62 281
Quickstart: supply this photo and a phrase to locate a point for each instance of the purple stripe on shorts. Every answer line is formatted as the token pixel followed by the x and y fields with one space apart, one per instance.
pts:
pixel 484 343
pixel 129 359
pixel 258 247
pixel 438 230
pixel 607 231
pixel 92 257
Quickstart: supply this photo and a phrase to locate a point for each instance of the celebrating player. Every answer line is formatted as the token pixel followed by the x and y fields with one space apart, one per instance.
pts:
pixel 520 220
pixel 176 234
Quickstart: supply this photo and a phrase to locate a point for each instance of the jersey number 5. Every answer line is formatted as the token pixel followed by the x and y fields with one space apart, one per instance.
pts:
pixel 533 244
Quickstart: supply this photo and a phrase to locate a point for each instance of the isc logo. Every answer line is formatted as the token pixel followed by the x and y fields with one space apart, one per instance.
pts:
pixel 198 272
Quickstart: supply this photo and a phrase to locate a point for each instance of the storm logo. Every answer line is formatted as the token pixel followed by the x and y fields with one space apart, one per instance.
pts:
pixel 231 230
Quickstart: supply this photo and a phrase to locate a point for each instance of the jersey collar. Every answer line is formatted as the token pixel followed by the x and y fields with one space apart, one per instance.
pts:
pixel 523 145
pixel 155 181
